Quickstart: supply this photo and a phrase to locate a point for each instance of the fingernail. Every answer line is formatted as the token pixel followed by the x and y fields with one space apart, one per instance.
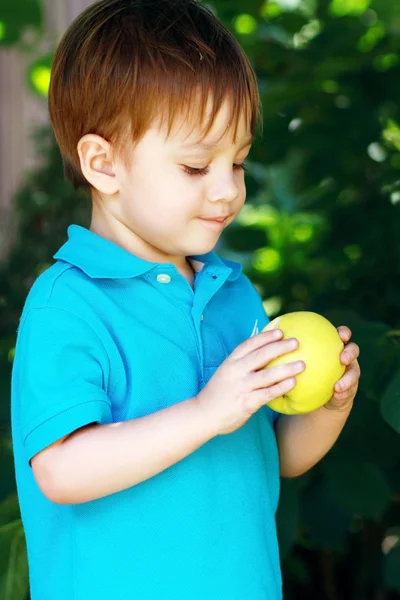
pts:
pixel 278 333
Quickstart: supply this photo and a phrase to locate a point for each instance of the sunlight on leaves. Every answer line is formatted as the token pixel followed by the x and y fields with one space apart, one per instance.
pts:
pixel 386 61
pixel 267 260
pixel 270 10
pixel 353 253
pixel 340 8
pixel 262 215
pixel 40 77
pixel 303 232
pixel 294 124
pixel 377 152
pixel 289 4
pixel 308 32
pixel 371 37
pixel 391 134
pixel 329 86
pixel 395 197
pixel 245 24
pixel 272 305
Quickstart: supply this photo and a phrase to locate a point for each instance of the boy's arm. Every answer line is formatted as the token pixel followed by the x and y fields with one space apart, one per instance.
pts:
pixel 304 439
pixel 98 460
pixel 61 372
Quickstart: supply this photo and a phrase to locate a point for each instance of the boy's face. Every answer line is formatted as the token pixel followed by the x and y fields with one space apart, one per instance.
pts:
pixel 160 212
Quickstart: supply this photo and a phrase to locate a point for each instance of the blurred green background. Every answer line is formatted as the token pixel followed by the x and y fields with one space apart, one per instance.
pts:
pixel 320 231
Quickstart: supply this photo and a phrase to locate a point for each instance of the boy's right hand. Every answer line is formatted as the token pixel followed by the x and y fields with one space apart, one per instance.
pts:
pixel 241 385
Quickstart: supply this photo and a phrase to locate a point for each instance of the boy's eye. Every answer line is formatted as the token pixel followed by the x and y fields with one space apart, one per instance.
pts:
pixel 204 170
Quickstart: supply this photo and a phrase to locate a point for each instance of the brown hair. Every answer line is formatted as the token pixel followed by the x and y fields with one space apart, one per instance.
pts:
pixel 124 63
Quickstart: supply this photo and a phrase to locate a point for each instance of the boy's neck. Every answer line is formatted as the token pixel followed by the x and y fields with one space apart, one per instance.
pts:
pixel 182 263
pixel 188 272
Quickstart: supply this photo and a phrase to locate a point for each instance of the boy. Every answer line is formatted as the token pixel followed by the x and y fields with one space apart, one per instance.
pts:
pixel 146 455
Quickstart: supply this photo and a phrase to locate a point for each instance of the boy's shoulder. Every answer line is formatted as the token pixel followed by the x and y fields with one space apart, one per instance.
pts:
pixel 56 287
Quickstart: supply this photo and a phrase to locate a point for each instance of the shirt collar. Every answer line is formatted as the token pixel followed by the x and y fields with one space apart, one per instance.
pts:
pixel 100 258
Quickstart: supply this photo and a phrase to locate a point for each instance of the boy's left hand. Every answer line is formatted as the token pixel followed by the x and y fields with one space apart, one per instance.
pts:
pixel 346 388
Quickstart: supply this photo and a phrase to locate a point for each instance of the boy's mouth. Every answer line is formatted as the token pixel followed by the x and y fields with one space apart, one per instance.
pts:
pixel 215 222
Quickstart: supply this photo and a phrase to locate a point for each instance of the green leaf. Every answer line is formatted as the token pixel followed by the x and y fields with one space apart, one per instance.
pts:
pixel 9 510
pixel 14 21
pixel 14 583
pixel 390 404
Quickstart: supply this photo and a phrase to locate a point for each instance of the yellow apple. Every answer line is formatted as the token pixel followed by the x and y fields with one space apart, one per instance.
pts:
pixel 319 348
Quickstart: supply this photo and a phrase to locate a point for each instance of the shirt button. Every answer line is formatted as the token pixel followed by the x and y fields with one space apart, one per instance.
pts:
pixel 163 278
pixel 202 318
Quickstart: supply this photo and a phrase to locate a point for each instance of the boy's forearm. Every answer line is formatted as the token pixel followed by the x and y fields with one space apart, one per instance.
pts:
pixel 304 439
pixel 99 460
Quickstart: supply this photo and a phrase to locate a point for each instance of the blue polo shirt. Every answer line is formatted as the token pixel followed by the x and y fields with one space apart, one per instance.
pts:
pixel 106 337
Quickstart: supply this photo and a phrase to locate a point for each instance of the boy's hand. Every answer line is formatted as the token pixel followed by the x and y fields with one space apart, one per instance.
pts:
pixel 346 387
pixel 241 385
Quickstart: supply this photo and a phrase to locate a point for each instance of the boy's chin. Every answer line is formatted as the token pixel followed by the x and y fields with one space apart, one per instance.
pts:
pixel 202 248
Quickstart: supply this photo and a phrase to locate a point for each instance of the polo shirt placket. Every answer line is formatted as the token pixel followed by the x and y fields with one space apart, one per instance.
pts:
pixel 193 303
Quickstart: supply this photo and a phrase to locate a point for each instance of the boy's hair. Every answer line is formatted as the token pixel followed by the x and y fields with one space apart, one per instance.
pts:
pixel 124 63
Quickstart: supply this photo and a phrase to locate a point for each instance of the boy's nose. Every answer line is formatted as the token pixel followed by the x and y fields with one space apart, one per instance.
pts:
pixel 227 192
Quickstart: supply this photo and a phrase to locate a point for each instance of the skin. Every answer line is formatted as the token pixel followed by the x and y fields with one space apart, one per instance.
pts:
pixel 346 387
pixel 125 200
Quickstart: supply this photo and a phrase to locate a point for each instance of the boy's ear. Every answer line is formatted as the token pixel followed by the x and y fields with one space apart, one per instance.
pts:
pixel 96 163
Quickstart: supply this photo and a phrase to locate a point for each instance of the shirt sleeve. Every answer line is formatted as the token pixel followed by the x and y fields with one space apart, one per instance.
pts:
pixel 61 368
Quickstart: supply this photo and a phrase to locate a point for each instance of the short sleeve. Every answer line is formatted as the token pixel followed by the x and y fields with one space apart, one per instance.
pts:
pixel 61 368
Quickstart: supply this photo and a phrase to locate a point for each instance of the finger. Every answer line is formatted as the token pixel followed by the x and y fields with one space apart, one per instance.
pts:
pixel 344 396
pixel 258 359
pixel 350 392
pixel 345 333
pixel 350 353
pixel 349 379
pixel 258 398
pixel 256 341
pixel 271 375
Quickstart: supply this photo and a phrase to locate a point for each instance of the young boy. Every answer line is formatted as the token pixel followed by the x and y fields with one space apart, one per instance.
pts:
pixel 146 455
